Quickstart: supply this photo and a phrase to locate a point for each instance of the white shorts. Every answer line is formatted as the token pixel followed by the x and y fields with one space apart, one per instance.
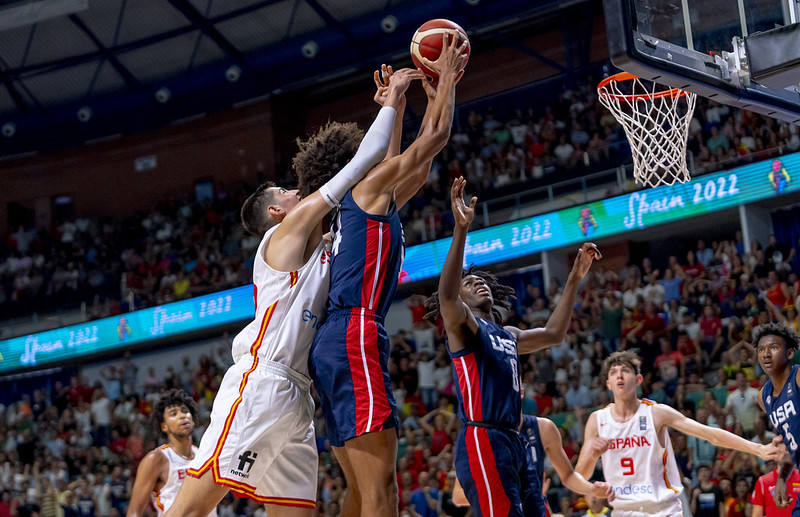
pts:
pixel 260 442
pixel 671 508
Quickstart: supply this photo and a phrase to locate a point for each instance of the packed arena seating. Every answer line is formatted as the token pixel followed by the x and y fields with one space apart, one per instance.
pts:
pixel 183 248
pixel 76 446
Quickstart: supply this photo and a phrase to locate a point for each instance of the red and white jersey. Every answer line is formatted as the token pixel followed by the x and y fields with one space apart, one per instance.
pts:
pixel 163 499
pixel 643 473
pixel 290 306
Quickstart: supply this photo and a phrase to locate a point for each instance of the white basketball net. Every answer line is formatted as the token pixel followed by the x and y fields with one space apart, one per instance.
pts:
pixel 656 124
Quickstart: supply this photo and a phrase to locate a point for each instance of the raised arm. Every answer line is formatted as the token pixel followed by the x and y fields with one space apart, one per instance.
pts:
pixel 290 239
pixel 551 440
pixel 147 475
pixel 377 190
pixel 553 332
pixel 382 80
pixel 454 311
pixel 410 184
pixel 721 438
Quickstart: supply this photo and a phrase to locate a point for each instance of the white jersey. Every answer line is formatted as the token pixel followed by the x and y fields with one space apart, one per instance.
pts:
pixel 643 473
pixel 163 499
pixel 290 306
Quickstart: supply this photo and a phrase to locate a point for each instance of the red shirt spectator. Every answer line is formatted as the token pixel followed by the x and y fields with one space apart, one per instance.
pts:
pixel 693 268
pixel 762 495
pixel 439 441
pixel 544 403
pixel 776 295
pixel 710 324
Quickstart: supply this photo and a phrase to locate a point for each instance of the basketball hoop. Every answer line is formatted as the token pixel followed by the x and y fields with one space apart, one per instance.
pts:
pixel 656 122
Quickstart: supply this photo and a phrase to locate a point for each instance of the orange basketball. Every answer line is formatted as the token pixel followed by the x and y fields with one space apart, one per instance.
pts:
pixel 427 42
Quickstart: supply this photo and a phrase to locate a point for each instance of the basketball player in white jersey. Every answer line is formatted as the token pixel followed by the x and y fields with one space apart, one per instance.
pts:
pixel 632 438
pixel 161 473
pixel 260 443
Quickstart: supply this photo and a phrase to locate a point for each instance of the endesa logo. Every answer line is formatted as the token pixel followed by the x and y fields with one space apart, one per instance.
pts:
pixel 634 489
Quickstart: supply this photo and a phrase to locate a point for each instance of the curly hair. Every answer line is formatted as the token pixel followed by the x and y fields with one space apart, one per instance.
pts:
pixel 175 397
pixel 254 215
pixel 624 357
pixel 501 295
pixel 324 154
pixel 780 330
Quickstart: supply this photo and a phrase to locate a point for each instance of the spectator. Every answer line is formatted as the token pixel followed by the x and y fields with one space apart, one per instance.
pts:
pixel 425 499
pixel 578 395
pixel 762 497
pixel 707 499
pixel 743 404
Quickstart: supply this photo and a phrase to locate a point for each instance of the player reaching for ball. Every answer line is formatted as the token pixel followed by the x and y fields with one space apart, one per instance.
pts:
pixel 349 357
pixel 631 436
pixel 261 442
pixel 490 457
pixel 776 345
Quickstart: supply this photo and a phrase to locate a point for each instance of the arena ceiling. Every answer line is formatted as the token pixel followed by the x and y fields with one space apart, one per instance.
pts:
pixel 76 70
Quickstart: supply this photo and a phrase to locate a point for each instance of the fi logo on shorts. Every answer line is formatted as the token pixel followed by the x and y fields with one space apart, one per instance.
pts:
pixel 246 461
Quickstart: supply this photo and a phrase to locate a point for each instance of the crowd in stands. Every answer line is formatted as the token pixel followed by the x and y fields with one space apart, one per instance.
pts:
pixel 179 249
pixel 570 137
pixel 182 247
pixel 72 450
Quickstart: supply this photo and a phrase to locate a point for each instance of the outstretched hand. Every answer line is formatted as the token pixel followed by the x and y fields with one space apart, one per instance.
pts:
pixel 452 58
pixel 463 214
pixel 773 450
pixel 391 86
pixel 587 254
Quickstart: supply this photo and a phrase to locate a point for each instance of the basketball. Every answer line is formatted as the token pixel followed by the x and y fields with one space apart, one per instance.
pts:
pixel 427 42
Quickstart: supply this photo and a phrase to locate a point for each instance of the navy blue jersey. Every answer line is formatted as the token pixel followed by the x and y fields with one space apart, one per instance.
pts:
pixel 533 444
pixel 487 377
pixel 782 412
pixel 366 258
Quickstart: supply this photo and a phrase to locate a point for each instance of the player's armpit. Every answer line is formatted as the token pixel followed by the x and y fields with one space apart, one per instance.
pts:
pixel 147 475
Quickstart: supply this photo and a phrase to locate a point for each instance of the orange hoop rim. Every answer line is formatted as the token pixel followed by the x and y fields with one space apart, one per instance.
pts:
pixel 627 76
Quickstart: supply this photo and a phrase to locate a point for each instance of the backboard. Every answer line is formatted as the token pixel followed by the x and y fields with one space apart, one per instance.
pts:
pixel 745 53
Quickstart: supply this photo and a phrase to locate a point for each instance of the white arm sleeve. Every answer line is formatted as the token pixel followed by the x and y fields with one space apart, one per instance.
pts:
pixel 371 151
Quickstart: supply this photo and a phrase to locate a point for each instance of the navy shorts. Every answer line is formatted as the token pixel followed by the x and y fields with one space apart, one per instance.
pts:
pixel 535 505
pixel 490 465
pixel 349 365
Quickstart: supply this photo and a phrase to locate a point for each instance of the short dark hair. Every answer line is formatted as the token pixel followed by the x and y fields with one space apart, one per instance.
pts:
pixel 776 329
pixel 254 214
pixel 623 357
pixel 171 398
pixel 324 154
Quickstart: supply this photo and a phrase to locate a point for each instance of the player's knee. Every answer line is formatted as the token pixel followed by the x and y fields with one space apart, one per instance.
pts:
pixel 381 491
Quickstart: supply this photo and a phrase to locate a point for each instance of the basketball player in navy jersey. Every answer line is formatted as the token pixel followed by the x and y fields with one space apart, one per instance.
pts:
pixel 776 345
pixel 350 353
pixel 489 453
pixel 260 442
